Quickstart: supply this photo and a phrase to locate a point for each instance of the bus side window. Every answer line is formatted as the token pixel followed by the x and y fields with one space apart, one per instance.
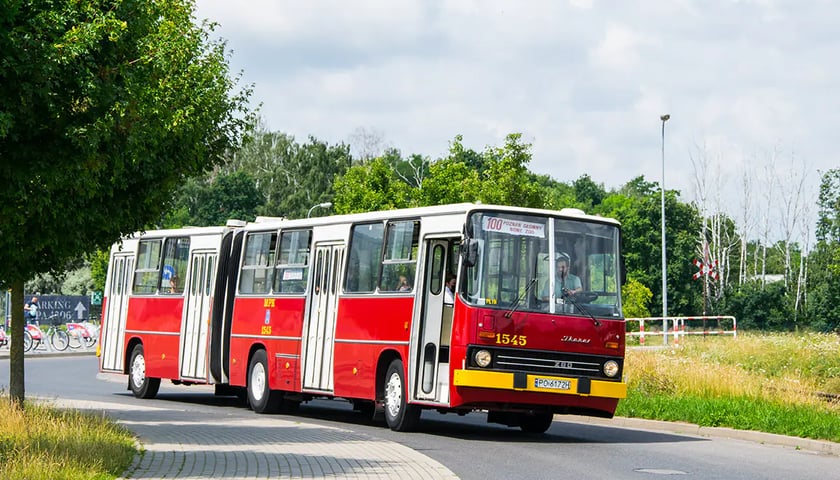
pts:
pixel 176 252
pixel 365 257
pixel 293 262
pixel 399 261
pixel 258 265
pixel 147 272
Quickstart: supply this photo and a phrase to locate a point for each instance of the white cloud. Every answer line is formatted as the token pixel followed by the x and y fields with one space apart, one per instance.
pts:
pixel 585 81
pixel 619 48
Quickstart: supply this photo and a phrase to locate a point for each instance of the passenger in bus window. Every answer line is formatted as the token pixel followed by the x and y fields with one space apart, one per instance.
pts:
pixel 403 285
pixel 173 285
pixel 449 289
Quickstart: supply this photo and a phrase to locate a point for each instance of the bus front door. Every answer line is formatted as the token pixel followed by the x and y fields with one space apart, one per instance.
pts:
pixel 319 329
pixel 197 315
pixel 435 326
pixel 116 312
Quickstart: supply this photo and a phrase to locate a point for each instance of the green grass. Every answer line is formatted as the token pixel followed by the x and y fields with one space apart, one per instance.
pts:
pixel 766 383
pixel 38 442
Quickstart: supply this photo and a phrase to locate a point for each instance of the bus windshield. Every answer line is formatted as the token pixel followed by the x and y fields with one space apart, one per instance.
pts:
pixel 542 264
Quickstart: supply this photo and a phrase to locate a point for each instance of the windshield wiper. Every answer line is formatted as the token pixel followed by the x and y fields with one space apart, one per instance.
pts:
pixel 521 297
pixel 571 297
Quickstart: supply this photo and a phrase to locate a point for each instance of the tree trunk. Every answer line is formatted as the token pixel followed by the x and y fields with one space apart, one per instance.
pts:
pixel 16 383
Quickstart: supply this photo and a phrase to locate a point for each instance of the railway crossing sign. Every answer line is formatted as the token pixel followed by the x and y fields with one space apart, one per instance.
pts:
pixel 706 268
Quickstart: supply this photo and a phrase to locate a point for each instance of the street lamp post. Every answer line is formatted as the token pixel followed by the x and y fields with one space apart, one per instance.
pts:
pixel 322 205
pixel 664 119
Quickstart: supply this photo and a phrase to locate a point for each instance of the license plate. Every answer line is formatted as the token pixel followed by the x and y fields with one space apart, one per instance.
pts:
pixel 552 384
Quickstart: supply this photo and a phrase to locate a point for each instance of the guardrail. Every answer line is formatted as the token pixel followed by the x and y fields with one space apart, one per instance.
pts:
pixel 681 326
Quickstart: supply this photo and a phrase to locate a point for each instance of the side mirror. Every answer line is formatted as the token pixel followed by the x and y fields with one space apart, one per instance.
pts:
pixel 469 252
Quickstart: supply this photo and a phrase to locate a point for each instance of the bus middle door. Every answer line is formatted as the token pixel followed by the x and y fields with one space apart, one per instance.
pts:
pixel 319 326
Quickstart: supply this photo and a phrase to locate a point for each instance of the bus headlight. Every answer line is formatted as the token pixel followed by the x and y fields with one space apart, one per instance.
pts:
pixel 482 358
pixel 611 368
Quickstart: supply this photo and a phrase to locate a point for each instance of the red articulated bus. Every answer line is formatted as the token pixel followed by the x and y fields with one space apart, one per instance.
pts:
pixel 356 307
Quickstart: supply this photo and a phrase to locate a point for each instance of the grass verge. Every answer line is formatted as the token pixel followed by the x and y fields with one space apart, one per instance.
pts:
pixel 766 383
pixel 38 442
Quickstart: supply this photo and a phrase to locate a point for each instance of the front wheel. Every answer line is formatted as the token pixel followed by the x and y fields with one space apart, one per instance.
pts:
pixel 141 385
pixel 399 414
pixel 59 340
pixel 261 398
pixel 537 422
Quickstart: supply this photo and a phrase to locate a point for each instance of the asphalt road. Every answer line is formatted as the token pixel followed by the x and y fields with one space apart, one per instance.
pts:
pixel 471 448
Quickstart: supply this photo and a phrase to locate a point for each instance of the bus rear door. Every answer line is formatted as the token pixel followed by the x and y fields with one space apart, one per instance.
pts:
pixel 116 312
pixel 197 315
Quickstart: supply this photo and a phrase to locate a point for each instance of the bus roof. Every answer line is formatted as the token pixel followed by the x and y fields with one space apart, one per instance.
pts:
pixel 432 211
pixel 437 210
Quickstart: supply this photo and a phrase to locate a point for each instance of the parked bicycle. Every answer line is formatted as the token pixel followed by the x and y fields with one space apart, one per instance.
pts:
pixel 82 334
pixel 34 336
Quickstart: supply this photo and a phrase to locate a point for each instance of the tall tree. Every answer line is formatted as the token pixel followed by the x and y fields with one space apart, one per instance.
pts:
pixel 372 186
pixel 214 200
pixel 105 107
pixel 291 177
pixel 637 207
pixel 824 306
pixel 507 180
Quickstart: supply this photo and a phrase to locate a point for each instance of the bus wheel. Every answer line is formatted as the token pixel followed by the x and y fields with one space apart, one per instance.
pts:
pixel 261 398
pixel 399 415
pixel 141 385
pixel 537 422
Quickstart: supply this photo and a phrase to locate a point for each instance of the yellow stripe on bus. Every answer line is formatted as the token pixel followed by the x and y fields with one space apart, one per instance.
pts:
pixel 504 381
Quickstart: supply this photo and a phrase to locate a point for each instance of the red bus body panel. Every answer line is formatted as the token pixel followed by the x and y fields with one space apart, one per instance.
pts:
pixel 157 322
pixel 366 328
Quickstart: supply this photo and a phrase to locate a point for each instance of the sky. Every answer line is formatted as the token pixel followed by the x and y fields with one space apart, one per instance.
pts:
pixel 749 85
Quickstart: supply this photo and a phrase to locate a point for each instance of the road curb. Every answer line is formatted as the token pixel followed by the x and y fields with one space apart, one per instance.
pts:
pixel 818 446
pixel 4 353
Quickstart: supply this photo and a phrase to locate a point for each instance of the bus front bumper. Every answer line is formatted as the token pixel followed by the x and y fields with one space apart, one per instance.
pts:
pixel 521 381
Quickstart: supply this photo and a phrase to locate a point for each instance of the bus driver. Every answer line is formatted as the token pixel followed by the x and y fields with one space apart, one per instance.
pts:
pixel 565 283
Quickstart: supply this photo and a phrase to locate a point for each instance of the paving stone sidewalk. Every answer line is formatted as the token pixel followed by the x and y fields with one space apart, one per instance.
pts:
pixel 188 445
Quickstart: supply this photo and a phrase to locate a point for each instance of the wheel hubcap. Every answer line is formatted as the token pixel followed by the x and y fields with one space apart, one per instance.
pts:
pixel 257 381
pixel 393 395
pixel 138 370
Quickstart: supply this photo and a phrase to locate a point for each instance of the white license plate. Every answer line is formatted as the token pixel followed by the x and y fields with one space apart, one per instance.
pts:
pixel 552 384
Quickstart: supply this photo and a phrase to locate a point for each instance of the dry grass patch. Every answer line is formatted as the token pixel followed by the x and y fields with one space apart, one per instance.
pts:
pixel 38 442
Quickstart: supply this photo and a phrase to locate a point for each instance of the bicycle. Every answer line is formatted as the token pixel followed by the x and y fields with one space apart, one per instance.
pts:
pixel 33 336
pixel 81 334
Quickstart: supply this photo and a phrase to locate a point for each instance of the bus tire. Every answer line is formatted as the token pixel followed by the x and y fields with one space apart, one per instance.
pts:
pixel 399 414
pixel 141 385
pixel 537 422
pixel 260 397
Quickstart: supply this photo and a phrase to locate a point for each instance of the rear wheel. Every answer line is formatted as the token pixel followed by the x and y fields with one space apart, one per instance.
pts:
pixel 74 339
pixel 27 341
pixel 399 414
pixel 141 385
pixel 59 340
pixel 260 397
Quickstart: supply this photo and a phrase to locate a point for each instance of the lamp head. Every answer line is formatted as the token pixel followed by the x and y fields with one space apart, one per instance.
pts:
pixel 665 117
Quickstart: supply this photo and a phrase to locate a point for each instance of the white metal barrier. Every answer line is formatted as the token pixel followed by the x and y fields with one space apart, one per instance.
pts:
pixel 681 326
